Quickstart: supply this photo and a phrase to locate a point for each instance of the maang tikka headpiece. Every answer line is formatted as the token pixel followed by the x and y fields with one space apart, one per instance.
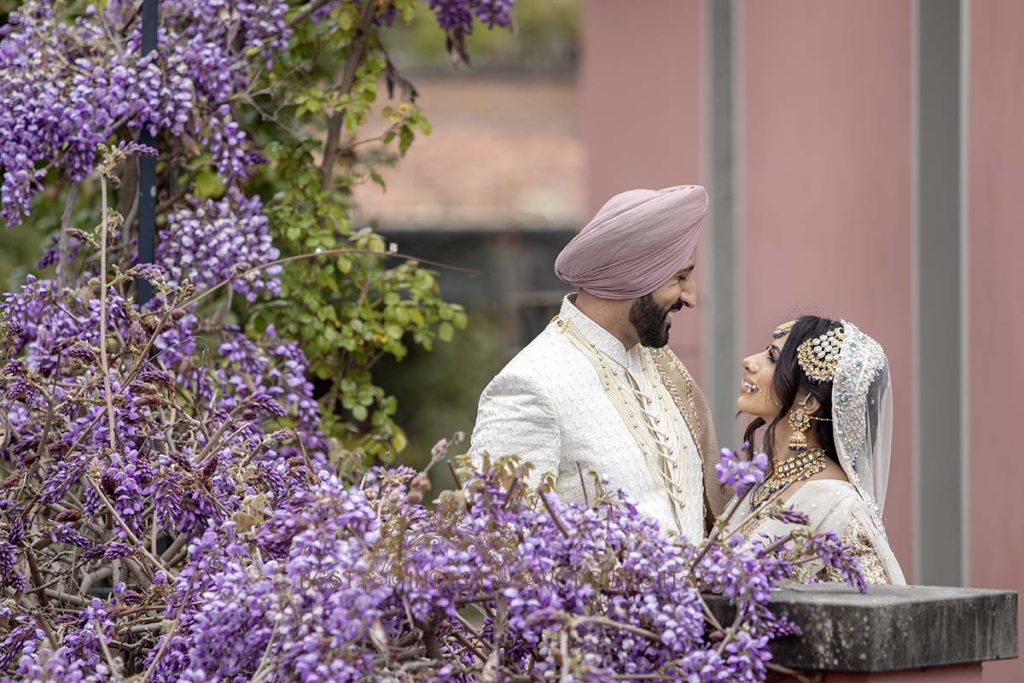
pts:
pixel 783 329
pixel 819 357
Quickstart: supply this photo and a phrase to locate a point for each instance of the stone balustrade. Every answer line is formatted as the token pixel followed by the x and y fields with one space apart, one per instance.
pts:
pixel 892 634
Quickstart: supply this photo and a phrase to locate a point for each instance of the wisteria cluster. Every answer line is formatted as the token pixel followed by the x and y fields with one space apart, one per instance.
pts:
pixel 67 87
pixel 207 536
pixel 212 241
pixel 457 15
pixel 124 434
pixel 206 539
pixel 364 582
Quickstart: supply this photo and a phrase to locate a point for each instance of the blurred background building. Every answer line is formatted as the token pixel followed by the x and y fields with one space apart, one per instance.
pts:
pixel 865 161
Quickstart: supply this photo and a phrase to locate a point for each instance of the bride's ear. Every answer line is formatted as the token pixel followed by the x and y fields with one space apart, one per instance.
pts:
pixel 812 406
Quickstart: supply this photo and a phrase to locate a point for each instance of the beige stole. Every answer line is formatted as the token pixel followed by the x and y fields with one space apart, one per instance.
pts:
pixel 694 407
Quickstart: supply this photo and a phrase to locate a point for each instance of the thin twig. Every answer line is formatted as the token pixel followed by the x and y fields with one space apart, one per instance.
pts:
pixel 786 671
pixel 63 245
pixel 104 365
pixel 720 526
pixel 563 642
pixel 554 516
pixel 115 669
pixel 127 529
pixel 175 546
pixel 308 12
pixel 66 597
pixel 583 484
pixel 172 200
pixel 195 298
pixel 611 623
pixel 37 578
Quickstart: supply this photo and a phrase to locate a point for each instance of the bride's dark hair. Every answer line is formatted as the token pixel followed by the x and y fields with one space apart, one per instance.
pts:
pixel 789 379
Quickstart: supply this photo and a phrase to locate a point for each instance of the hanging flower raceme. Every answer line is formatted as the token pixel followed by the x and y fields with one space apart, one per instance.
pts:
pixel 65 87
pixel 214 240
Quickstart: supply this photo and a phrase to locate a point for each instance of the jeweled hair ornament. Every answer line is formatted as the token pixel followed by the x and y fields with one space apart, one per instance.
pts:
pixel 819 357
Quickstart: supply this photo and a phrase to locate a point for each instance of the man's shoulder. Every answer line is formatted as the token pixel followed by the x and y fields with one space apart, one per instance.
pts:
pixel 668 358
pixel 547 350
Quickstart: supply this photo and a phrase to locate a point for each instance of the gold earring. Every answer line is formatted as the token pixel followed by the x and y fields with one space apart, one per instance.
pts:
pixel 800 422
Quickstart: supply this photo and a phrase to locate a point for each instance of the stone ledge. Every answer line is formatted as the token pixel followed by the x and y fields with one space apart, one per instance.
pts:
pixel 890 628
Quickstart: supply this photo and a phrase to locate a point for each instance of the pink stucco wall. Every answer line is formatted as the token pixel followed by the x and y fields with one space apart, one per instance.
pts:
pixel 996 302
pixel 826 220
pixel 641 108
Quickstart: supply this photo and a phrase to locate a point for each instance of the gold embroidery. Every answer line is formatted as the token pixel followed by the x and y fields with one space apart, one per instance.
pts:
pixel 663 461
pixel 870 562
pixel 689 408
pixel 749 525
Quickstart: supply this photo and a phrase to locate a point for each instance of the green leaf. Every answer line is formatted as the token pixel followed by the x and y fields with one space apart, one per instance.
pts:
pixel 405 140
pixel 208 184
pixel 445 332
pixel 398 441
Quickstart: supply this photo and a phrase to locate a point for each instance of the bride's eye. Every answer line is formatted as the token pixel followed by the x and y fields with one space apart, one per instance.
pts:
pixel 771 354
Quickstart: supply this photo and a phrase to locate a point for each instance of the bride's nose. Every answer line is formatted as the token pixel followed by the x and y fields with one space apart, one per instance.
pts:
pixel 748 364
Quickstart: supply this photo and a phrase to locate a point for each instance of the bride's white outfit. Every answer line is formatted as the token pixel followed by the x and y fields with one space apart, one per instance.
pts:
pixel 862 426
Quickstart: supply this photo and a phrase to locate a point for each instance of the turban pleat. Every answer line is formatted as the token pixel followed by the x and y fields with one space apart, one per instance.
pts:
pixel 635 243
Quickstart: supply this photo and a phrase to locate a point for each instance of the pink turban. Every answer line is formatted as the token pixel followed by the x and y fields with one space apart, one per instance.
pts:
pixel 636 242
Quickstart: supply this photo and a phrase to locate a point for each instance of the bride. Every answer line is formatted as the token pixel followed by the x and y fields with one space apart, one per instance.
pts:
pixel 822 388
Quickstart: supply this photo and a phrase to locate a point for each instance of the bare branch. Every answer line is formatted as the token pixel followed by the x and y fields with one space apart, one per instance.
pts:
pixel 356 53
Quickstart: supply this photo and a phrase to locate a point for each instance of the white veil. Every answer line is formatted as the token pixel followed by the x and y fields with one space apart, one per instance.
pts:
pixel 862 416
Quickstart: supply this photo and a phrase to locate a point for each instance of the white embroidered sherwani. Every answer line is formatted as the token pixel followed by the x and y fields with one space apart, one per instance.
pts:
pixel 551 406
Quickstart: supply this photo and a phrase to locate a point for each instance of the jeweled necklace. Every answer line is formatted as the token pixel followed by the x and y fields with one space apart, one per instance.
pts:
pixel 789 472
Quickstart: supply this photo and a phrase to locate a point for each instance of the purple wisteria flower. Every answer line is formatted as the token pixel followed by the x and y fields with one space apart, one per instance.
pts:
pixel 456 16
pixel 788 515
pixel 180 88
pixel 208 242
pixel 741 475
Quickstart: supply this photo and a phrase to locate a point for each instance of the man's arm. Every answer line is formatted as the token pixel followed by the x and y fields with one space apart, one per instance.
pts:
pixel 717 495
pixel 515 416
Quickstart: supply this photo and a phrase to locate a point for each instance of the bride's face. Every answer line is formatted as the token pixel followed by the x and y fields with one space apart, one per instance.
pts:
pixel 756 396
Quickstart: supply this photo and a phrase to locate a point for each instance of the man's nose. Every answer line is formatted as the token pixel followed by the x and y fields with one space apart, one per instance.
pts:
pixel 688 296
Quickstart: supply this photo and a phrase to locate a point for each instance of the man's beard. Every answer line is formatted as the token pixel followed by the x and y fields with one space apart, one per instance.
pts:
pixel 649 321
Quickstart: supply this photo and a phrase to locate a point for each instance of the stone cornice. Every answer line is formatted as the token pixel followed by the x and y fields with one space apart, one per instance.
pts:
pixel 890 628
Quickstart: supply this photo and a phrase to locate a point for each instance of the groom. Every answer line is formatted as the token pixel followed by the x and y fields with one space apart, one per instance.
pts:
pixel 598 390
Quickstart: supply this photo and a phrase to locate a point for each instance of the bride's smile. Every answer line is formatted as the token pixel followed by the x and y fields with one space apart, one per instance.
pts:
pixel 755 397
